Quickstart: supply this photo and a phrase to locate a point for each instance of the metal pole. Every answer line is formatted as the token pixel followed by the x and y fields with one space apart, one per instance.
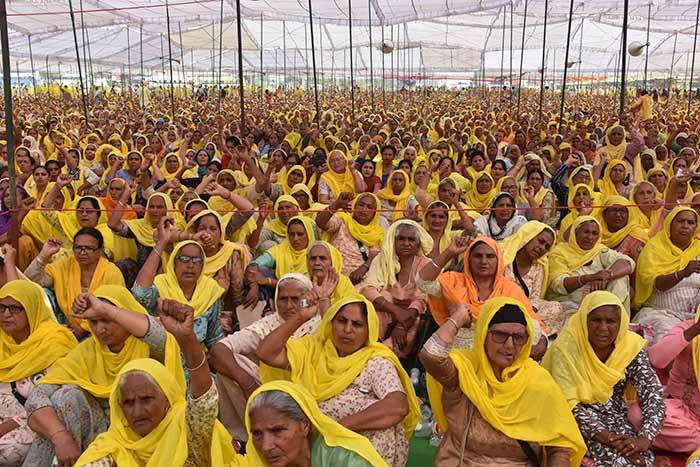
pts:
pixel 352 71
pixel 182 58
pixel 313 61
pixel 77 54
pixel 566 61
pixel 624 56
pixel 692 66
pixel 544 47
pixel 673 59
pixel 19 84
pixel 262 75
pixel 383 71
pixel 284 57
pixel 162 65
pixel 143 91
pixel 213 53
pixel 170 62
pixel 9 128
pixel 503 51
pixel 306 58
pixel 580 50
pixel 522 49
pixel 221 42
pixel 510 72
pixel 128 54
pixel 31 62
pixel 646 58
pixel 371 53
pixel 241 95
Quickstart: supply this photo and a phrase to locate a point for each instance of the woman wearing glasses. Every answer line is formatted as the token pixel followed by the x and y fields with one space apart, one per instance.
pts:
pixel 182 280
pixel 83 271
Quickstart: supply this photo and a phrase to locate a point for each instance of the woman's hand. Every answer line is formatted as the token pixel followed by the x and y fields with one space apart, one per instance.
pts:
pixel 50 248
pixel 214 189
pixel 343 203
pixel 459 245
pixel 326 289
pixel 205 239
pixel 463 316
pixel 251 297
pixel 87 306
pixel 358 274
pixel 66 449
pixel 63 180
pixel 164 233
pixel 692 268
pixel 177 318
pixel 9 255
pixel 631 446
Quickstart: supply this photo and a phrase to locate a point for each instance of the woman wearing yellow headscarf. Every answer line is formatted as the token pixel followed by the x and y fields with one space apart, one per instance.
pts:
pixel 620 229
pixel 645 207
pixel 172 166
pixel 305 199
pixel 30 342
pixel 482 192
pixel 667 276
pixel 581 199
pixel 508 407
pixel 69 406
pixel 659 177
pixel 274 231
pixel 394 196
pixel 316 437
pixel 613 180
pixel 583 264
pixel 341 177
pixel 183 280
pixel 341 358
pixel 593 361
pixel 288 178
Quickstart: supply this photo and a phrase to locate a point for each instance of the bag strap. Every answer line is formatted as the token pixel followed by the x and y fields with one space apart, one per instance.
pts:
pixel 529 452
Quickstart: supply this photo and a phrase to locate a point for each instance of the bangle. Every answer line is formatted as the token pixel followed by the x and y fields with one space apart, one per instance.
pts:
pixel 269 281
pixel 432 261
pixel 675 276
pixel 204 359
pixel 121 203
pixel 57 432
pixel 451 320
pixel 156 251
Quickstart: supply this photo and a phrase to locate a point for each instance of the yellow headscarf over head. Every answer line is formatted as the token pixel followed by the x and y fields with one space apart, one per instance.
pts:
pixel 275 225
pixel 283 177
pixel 399 200
pixel 606 185
pixel 633 228
pixel 513 244
pixel 94 368
pixel 371 234
pixel 645 222
pixel 166 445
pixel 661 257
pixel 287 259
pixel 212 264
pixel 316 365
pixel 171 175
pixel 339 182
pixel 616 152
pixel 142 228
pixel 526 405
pixel 568 257
pixel 206 292
pixel 581 375
pixel 478 200
pixel 47 342
pixel 332 432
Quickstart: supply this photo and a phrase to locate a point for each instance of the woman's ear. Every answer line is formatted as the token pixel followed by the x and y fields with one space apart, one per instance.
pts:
pixel 306 427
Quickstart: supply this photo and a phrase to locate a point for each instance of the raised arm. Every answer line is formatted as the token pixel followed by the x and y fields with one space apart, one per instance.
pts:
pixel 272 350
pixel 115 218
pixel 432 270
pixel 87 306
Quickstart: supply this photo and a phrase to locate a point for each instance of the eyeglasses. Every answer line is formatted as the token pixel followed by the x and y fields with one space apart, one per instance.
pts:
pixel 13 309
pixel 84 249
pixel 189 259
pixel 500 337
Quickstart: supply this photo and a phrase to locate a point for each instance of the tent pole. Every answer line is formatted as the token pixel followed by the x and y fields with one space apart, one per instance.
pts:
pixel 143 91
pixel 520 73
pixel 673 59
pixel 393 70
pixel 31 62
pixel 284 57
pixel 262 75
pixel 48 74
pixel 221 41
pixel 580 51
pixel 128 55
pixel 352 71
pixel 60 80
pixel 182 58
pixel 213 54
pixel 646 58
pixel 306 58
pixel 85 55
pixel 692 66
pixel 9 127
pixel 503 51
pixel 510 73
pixel 80 72
pixel 170 62
pixel 162 64
pixel 542 71
pixel 313 60
pixel 623 70
pixel 19 85
pixel 383 71
pixel 320 41
pixel 566 60
pixel 241 91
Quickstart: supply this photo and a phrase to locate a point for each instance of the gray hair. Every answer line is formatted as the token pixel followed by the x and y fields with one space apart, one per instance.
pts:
pixel 406 226
pixel 299 279
pixel 149 378
pixel 279 401
pixel 315 244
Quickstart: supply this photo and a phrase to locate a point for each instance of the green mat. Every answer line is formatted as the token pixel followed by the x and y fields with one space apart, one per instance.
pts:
pixel 421 454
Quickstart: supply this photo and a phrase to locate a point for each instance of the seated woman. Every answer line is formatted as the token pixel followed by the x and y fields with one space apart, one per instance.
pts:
pixel 30 342
pixel 274 232
pixel 113 194
pixel 323 263
pixel 483 278
pixel 307 206
pixel 391 287
pixel 539 197
pixel 594 360
pixel 357 381
pixel 316 439
pixel 69 406
pixel 84 271
pixel 659 177
pixel 620 229
pixel 647 208
pixel 667 278
pixel 341 177
pixel 151 419
pixel 613 179
pixel 525 255
pixel 482 192
pixel 234 358
pixel 581 198
pixel 495 405
pixel 583 265
pixel 394 196
pixel 357 234
pixel 502 220
pixel 436 223
pixel 182 280
pixel 27 248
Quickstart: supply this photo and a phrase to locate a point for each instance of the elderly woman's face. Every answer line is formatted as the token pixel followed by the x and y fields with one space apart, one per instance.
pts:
pixel 615 217
pixel 350 329
pixel 540 245
pixel 109 333
pixel 398 183
pixel 503 214
pixel 294 177
pixel 188 264
pixel 143 403
pixel 617 173
pixel 483 185
pixel 645 193
pixel 280 440
pixel 603 325
pixel 318 262
pixel 286 211
pixel 157 209
pixel 587 235
pixel 504 341
pixel 683 228
pixel 289 294
pixel 406 242
pixel 483 261
pixel 616 135
pixel 227 181
pixel 13 318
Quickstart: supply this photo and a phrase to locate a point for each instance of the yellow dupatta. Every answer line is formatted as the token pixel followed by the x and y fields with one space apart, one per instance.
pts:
pixel 142 228
pixel 569 219
pixel 275 225
pixel 66 274
pixel 213 263
pixel 513 244
pixel 36 224
pixel 170 175
pixel 633 228
pixel 284 176
pixel 47 342
pixel 526 405
pixel 645 222
pixel 94 368
pixel 480 201
pixel 206 292
pixel 287 259
pixel 616 152
pixel 314 208
pixel 568 257
pixel 606 185
pixel 400 199
pixel 580 374
pixel 316 365
pixel 339 182
pixel 384 270
pixel 661 257
pixel 166 445
pixel 371 234
pixel 332 432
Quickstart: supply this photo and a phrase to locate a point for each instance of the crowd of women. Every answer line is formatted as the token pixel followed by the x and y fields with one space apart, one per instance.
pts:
pixel 176 289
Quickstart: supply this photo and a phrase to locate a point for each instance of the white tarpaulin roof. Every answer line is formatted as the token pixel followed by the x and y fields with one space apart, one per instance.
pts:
pixel 435 36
